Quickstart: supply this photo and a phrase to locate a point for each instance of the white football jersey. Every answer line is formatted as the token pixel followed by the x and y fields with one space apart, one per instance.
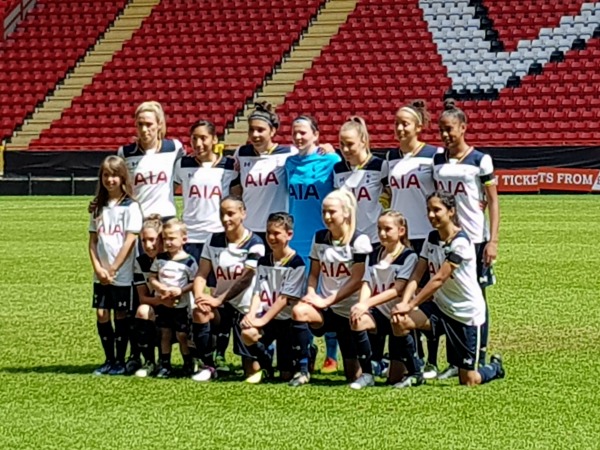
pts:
pixel 382 277
pixel 264 183
pixel 460 297
pixel 229 261
pixel 411 181
pixel 176 273
pixel 366 183
pixel 202 189
pixel 466 180
pixel 336 263
pixel 112 225
pixel 152 175
pixel 274 279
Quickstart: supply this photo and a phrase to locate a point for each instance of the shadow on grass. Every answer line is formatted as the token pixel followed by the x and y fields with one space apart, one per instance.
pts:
pixel 84 369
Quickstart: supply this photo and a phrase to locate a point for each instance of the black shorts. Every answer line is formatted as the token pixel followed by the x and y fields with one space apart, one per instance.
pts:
pixel 176 319
pixel 463 342
pixel 195 250
pixel 117 298
pixel 239 348
pixel 340 325
pixel 280 331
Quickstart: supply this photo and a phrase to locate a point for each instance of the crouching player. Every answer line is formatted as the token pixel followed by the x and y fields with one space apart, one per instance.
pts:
pixel 171 276
pixel 390 266
pixel 458 309
pixel 145 316
pixel 280 279
pixel 232 257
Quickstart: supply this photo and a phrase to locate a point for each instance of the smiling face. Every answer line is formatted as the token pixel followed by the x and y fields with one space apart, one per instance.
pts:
pixel 260 135
pixel 452 132
pixel 173 239
pixel 112 182
pixel 303 135
pixel 151 242
pixel 232 215
pixel 147 127
pixel 202 142
pixel 334 215
pixel 438 214
pixel 407 127
pixel 354 150
pixel 278 236
pixel 388 231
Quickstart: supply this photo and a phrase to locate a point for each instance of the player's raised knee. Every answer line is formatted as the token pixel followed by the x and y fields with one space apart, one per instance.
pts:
pixel 145 312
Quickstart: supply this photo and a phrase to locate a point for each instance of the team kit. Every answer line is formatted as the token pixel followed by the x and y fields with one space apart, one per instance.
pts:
pixel 278 245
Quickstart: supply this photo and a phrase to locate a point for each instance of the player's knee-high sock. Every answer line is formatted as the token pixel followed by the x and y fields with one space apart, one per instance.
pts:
pixel 145 336
pixel 134 349
pixel 404 349
pixel 485 333
pixel 223 332
pixel 121 338
pixel 433 345
pixel 107 337
pixel 201 335
pixel 331 345
pixel 301 343
pixel 377 344
pixel 363 350
pixel 262 354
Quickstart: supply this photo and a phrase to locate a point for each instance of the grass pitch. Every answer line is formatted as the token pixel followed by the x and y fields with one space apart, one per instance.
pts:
pixel 545 315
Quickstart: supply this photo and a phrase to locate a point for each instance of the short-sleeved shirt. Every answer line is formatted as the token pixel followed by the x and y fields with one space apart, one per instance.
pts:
pixel 152 175
pixel 411 182
pixel 229 261
pixel 202 189
pixel 381 278
pixel 366 183
pixel 310 179
pixel 466 180
pixel 111 225
pixel 336 262
pixel 176 273
pixel 141 270
pixel 275 278
pixel 264 183
pixel 460 296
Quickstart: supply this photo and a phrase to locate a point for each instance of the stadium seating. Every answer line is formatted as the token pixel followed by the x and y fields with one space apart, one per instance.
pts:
pixel 44 47
pixel 526 72
pixel 205 63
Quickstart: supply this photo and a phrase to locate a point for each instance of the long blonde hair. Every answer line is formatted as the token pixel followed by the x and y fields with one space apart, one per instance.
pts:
pixel 157 109
pixel 349 206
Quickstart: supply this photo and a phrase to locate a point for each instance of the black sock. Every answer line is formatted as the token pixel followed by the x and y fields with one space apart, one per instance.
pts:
pixel 262 354
pixel 121 338
pixel 134 349
pixel 165 360
pixel 363 350
pixel 145 336
pixel 187 359
pixel 107 337
pixel 301 344
pixel 433 344
pixel 404 349
pixel 377 344
pixel 201 335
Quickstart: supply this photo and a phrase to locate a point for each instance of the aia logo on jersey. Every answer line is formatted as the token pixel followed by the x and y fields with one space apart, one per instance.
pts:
pixel 301 192
pixel 455 188
pixel 268 299
pixel 229 273
pixel 361 193
pixel 377 290
pixel 335 270
pixel 205 191
pixel 405 182
pixel 259 180
pixel 150 178
pixel 110 231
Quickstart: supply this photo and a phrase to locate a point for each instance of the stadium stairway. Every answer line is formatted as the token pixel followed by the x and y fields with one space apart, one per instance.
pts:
pixel 331 17
pixel 111 42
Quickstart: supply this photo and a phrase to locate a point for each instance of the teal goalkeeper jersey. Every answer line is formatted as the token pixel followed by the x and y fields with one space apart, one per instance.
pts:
pixel 310 179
